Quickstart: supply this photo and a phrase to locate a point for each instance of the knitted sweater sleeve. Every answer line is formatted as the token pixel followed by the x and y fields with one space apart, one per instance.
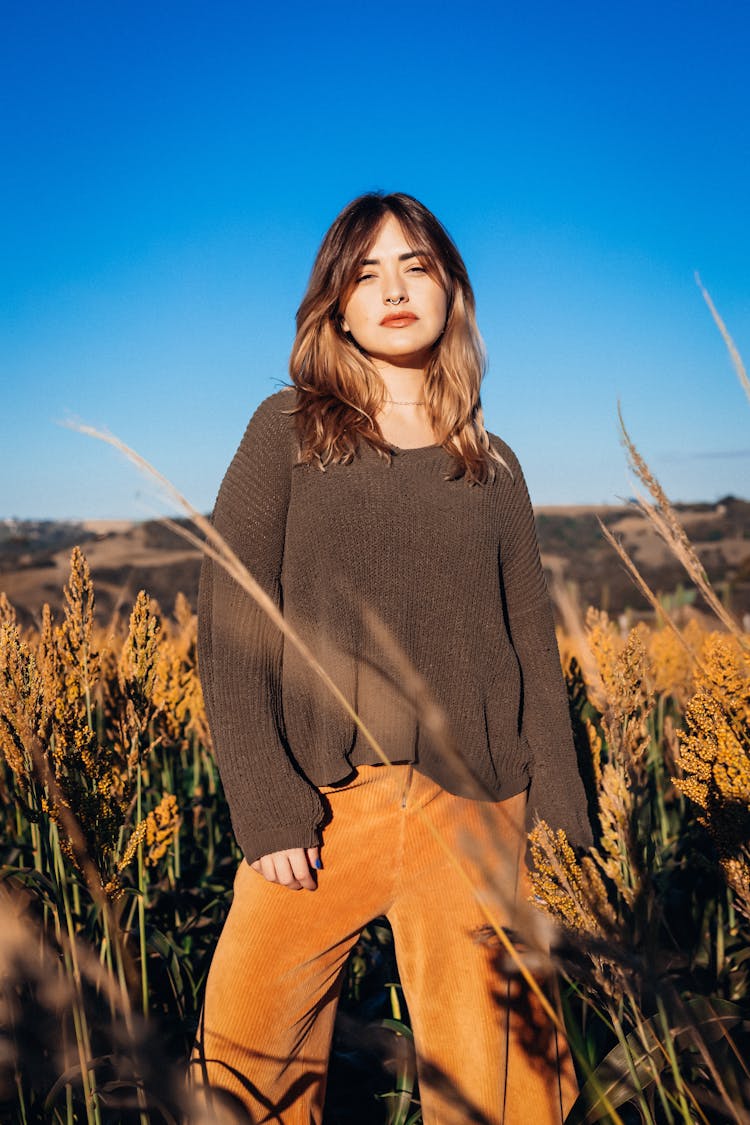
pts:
pixel 556 793
pixel 272 806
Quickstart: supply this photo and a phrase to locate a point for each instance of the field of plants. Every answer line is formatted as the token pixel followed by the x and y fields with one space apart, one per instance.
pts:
pixel 118 858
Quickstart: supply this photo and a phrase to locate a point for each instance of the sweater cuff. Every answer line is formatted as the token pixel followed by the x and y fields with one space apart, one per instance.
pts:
pixel 256 842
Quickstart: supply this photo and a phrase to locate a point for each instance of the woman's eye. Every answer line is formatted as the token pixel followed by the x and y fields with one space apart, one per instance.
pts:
pixel 417 269
pixel 365 276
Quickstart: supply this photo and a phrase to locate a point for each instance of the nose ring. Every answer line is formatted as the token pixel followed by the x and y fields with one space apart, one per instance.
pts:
pixel 393 300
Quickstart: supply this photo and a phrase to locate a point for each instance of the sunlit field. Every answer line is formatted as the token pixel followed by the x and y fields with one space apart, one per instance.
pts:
pixel 118 860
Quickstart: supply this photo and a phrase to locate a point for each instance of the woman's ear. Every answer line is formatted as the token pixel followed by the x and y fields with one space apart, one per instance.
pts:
pixel 344 325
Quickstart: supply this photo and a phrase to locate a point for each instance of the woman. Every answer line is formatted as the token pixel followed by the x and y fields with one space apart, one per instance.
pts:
pixel 395 532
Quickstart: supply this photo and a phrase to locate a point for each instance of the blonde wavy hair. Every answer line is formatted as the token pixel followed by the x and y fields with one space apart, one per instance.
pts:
pixel 339 390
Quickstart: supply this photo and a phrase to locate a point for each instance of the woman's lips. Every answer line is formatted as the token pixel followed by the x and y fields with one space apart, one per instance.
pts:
pixel 398 321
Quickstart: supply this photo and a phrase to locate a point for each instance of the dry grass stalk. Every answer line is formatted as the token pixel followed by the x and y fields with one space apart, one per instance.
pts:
pixel 214 547
pixel 641 583
pixel 572 617
pixel 713 753
pixel 731 347
pixel 664 519
pixel 38 1005
pixel 494 865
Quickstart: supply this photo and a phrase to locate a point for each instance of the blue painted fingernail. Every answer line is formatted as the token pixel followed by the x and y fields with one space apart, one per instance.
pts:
pixel 318 863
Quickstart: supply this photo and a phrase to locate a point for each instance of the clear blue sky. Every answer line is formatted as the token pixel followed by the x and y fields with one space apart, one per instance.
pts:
pixel 169 169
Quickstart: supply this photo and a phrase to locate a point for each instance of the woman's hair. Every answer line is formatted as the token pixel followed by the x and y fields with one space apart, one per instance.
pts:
pixel 339 391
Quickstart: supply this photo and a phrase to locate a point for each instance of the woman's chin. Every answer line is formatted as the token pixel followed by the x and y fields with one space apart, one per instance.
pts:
pixel 406 358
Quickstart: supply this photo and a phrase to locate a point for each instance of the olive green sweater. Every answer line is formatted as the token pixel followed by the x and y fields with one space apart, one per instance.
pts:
pixel 452 573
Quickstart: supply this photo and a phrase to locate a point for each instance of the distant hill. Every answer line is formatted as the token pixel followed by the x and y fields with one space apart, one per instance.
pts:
pixel 572 545
pixel 125 557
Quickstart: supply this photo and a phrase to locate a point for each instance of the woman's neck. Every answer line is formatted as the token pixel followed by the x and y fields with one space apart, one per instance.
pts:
pixel 403 420
pixel 403 384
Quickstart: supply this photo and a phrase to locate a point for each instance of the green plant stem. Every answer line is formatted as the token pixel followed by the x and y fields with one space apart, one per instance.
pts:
pixel 142 900
pixel 83 1039
pixel 395 1003
pixel 106 951
pixel 648 1047
pixel 672 1055
pixel 21 1099
pixel 622 1039
pixel 657 764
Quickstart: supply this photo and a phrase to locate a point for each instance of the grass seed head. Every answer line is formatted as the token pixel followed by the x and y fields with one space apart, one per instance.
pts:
pixel 138 663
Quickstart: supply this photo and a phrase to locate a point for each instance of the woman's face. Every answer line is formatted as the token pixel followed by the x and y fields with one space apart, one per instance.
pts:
pixel 396 311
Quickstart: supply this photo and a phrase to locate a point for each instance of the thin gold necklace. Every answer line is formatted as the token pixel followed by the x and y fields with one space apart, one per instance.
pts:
pixel 395 402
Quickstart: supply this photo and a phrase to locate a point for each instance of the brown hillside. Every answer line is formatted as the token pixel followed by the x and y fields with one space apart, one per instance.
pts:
pixel 125 557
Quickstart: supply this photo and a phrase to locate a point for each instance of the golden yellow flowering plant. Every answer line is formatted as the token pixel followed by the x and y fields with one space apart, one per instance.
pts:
pixel 74 727
pixel 714 755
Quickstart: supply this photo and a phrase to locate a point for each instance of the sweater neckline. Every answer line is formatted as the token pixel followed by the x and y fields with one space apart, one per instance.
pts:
pixel 408 449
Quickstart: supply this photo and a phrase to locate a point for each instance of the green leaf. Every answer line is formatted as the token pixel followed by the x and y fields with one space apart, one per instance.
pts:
pixel 612 1080
pixel 399 1102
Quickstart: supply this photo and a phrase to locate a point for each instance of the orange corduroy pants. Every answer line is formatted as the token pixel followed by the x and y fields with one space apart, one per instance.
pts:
pixel 486 1051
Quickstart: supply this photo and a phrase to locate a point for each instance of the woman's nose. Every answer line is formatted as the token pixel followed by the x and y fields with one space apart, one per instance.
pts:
pixel 394 290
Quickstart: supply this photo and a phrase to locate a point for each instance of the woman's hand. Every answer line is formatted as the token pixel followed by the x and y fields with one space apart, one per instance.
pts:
pixel 291 867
